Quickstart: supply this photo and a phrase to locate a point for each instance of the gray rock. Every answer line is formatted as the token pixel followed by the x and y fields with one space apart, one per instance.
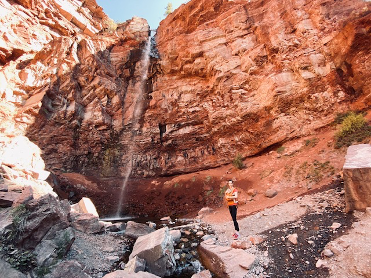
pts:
pixel 158 252
pixel 43 219
pixel 67 269
pixel 176 235
pixel 7 271
pixel 87 223
pixel 136 230
pixel 270 193
pixel 54 248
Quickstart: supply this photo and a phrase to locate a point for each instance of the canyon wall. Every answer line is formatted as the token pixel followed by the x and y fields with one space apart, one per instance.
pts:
pixel 232 77
pixel 240 76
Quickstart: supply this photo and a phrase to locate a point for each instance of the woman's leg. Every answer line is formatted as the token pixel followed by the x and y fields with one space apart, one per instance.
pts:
pixel 233 211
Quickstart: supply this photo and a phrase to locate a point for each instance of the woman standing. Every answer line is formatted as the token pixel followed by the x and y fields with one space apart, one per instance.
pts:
pixel 231 196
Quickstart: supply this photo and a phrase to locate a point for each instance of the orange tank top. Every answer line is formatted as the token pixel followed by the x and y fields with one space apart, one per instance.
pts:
pixel 230 200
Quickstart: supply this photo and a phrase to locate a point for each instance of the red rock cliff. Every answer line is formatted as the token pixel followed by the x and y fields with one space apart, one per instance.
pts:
pixel 233 77
pixel 240 76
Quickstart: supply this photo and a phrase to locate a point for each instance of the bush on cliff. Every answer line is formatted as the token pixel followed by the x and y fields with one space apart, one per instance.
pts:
pixel 237 162
pixel 354 128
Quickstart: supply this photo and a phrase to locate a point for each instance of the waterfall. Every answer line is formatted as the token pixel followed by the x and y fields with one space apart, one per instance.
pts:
pixel 137 113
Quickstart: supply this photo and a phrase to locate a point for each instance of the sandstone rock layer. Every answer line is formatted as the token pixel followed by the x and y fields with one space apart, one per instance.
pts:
pixel 357 177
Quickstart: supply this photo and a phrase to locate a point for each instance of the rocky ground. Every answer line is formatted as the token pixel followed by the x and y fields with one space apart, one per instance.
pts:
pixel 309 236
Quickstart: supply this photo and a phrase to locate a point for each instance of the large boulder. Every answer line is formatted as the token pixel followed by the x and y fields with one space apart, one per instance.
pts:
pixel 42 218
pixel 225 261
pixel 157 250
pixel 136 230
pixel 87 223
pixel 357 177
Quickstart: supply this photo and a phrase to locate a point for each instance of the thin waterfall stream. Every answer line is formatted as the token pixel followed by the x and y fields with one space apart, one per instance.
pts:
pixel 137 113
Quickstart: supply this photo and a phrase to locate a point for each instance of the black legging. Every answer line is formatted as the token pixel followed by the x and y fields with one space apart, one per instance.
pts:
pixel 233 211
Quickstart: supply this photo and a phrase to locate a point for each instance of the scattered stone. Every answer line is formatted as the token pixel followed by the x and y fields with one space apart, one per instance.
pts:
pixel 167 218
pixel 256 239
pixel 200 233
pixel 151 225
pixel 270 193
pixel 205 211
pixel 320 263
pixel 335 226
pixel 293 238
pixel 327 253
pixel 251 192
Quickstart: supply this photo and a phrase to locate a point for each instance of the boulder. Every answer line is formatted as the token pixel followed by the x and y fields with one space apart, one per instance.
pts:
pixel 225 261
pixel 7 271
pixel 55 247
pixel 157 250
pixel 68 269
pixel 42 218
pixel 85 205
pixel 357 177
pixel 135 230
pixel 87 223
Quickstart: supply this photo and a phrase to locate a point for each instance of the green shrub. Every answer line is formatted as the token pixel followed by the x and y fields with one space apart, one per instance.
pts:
pixel 354 128
pixel 237 162
pixel 110 25
pixel 280 150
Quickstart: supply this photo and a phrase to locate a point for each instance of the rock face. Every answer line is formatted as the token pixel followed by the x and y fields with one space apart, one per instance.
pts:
pixel 357 177
pixel 239 76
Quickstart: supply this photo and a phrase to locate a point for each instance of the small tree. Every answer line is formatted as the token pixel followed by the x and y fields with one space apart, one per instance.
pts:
pixel 237 162
pixel 169 9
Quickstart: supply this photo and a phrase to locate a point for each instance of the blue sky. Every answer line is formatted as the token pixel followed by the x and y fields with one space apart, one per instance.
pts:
pixel 152 10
